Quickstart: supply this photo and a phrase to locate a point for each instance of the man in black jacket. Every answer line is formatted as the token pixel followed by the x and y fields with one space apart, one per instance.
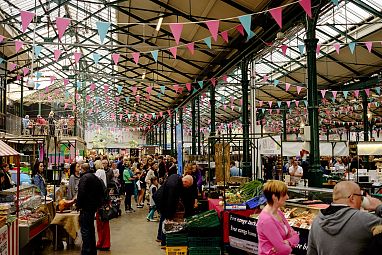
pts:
pixel 89 198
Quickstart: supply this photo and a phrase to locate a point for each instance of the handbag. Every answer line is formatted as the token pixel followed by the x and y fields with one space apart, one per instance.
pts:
pixel 107 212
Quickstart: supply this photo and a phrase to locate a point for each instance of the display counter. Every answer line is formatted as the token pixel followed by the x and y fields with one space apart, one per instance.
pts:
pixel 29 231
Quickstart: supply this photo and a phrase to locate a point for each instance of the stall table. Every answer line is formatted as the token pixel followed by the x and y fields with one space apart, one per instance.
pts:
pixel 69 221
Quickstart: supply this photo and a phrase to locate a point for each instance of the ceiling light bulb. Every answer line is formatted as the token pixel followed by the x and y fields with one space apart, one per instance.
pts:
pixel 159 24
pixel 143 76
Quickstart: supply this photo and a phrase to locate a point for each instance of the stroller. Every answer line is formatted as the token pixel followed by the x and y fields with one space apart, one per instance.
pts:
pixel 115 199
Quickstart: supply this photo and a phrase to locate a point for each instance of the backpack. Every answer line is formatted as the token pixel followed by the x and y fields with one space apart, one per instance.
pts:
pixel 158 197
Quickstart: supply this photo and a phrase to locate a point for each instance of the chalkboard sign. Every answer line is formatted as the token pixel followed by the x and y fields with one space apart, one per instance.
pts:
pixel 243 235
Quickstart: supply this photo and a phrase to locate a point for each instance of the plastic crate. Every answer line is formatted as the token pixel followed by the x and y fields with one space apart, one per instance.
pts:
pixel 256 202
pixel 204 251
pixel 207 219
pixel 204 241
pixel 176 250
pixel 204 232
pixel 176 239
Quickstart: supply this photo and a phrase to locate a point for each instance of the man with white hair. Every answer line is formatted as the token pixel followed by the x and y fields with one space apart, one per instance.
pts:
pixel 342 228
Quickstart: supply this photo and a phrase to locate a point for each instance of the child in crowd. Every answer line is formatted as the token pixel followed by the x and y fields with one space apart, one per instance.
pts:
pixel 153 188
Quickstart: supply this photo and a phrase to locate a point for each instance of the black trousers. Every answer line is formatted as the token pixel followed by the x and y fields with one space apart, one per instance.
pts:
pixel 129 189
pixel 88 233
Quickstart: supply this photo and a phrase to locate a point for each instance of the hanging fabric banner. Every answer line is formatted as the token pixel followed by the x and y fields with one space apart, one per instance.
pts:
pixel 136 57
pixel 57 54
pixel 224 35
pixel 18 45
pixel 307 6
pixel 37 50
pixel 176 30
pixel 26 19
pixel 208 42
pixel 103 28
pixel 173 51
pixel 154 53
pixel 115 57
pixel 62 24
pixel 213 26
pixel 276 14
pixel 352 47
pixel 191 47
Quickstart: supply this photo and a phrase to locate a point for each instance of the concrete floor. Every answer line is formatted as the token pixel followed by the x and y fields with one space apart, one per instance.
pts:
pixel 130 234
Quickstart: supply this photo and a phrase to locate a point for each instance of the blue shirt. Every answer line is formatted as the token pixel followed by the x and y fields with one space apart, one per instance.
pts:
pixel 235 171
pixel 39 181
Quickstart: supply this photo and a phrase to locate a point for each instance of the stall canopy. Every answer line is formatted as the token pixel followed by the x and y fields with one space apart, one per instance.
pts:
pixel 367 148
pixel 6 150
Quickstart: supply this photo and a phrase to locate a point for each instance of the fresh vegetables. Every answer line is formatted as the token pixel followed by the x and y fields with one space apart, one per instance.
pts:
pixel 251 189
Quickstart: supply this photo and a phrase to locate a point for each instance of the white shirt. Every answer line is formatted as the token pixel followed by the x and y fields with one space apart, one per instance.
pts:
pixel 293 172
pixel 100 173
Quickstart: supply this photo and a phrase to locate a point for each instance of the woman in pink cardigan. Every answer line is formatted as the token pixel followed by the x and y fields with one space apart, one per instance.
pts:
pixel 274 233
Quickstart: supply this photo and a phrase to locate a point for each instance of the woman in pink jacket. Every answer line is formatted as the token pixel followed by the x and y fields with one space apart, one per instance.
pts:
pixel 274 233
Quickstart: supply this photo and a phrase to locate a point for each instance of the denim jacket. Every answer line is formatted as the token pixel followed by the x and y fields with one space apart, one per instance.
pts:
pixel 39 181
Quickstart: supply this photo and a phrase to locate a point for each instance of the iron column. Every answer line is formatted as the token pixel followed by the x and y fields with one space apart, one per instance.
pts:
pixel 365 117
pixel 199 134
pixel 245 118
pixel 193 127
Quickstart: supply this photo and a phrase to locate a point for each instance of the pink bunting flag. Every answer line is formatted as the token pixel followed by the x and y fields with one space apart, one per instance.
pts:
pixel 137 98
pixel 260 103
pixel 213 81
pixel 11 67
pixel 240 28
pixel 18 77
pixel 120 116
pixel 318 48
pixel 278 111
pixel 367 92
pixel 287 86
pixel 307 6
pixel 161 114
pixel 18 44
pixel 26 19
pixel 173 51
pixel 323 92
pixel 25 71
pixel 298 90
pixel 213 26
pixel 337 47
pixel 115 57
pixel 66 81
pixel 149 89
pixel 176 88
pixel 1 38
pixel 106 88
pixel 74 108
pixel 57 54
pixel 92 86
pixel 180 90
pixel 169 112
pixel 288 103
pixel 225 107
pixel 284 49
pixel 117 99
pixel 191 47
pixel 136 57
pixel 62 24
pixel 356 93
pixel 77 56
pixel 78 96
pixel 265 78
pixel 270 103
pixel 334 93
pixel 66 105
pixel 225 78
pixel 369 45
pixel 296 102
pixel 107 100
pixel 188 86
pixel 87 98
pixel 176 30
pixel 134 90
pixel 52 79
pixel 224 35
pixel 276 14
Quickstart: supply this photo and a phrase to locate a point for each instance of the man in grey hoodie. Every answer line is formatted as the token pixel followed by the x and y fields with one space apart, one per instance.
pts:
pixel 342 228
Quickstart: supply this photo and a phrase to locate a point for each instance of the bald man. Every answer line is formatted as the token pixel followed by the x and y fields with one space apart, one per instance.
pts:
pixel 342 228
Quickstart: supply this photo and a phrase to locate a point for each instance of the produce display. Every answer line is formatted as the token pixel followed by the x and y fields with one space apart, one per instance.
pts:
pixel 298 217
pixel 243 193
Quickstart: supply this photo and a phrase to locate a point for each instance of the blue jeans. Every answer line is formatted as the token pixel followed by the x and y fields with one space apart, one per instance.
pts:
pixel 150 216
pixel 88 233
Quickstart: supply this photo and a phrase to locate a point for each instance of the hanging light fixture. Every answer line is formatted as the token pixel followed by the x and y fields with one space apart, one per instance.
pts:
pixel 159 23
pixel 143 75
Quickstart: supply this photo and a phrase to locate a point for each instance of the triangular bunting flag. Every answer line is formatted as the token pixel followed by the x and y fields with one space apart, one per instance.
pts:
pixel 134 90
pixel 287 86
pixel 207 41
pixel 276 82
pixel 115 57
pixel 37 50
pixel 66 81
pixel 200 84
pixel 26 19
pixel 106 88
pixel 188 86
pixel 38 75
pixel 52 79
pixel 334 93
pixel 127 101
pixel 240 29
pixel 92 86
pixel 335 2
pixel 345 94
pixel 246 21
pixel 298 90
pixel 301 48
pixel 279 104
pixel 337 47
pixel 276 14
pixel 96 57
pixel 162 89
pixel 1 60
pixel 213 81
pixel 18 44
pixel 176 30
pixel 57 54
pixel 224 35
pixel 77 56
pixel 136 57
pixel 352 47
pixel 149 89
pixel 369 45
pixel 173 51
pixel 213 26
pixel 154 53
pixel 318 49
pixel 284 49
pixel 356 93
pixel 306 103
pixel 378 90
pixel 119 89
pixel 367 91
pixel 62 24
pixel 102 28
pixel 191 47
pixel 323 92
pixel 307 6
pixel 25 70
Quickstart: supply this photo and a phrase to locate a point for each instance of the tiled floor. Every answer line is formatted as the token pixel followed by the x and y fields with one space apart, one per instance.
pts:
pixel 130 234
